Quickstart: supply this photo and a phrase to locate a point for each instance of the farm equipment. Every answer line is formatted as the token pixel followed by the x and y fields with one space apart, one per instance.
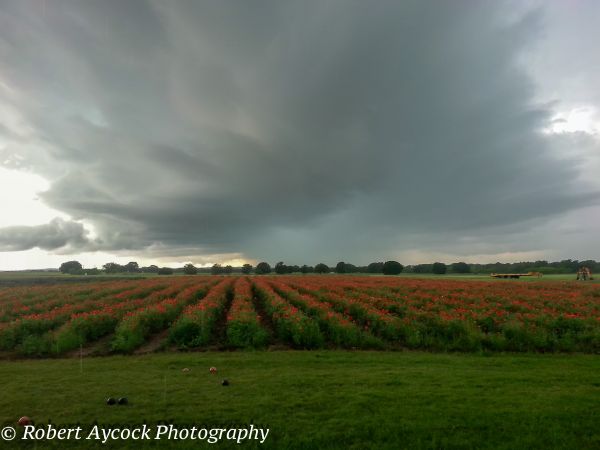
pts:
pixel 584 274
pixel 516 275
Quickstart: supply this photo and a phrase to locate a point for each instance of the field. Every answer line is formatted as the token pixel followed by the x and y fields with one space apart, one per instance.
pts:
pixel 394 362
pixel 321 399
pixel 311 312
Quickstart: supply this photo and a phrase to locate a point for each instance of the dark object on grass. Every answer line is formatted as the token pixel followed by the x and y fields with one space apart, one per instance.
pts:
pixel 24 421
pixel 110 401
pixel 123 401
pixel 225 382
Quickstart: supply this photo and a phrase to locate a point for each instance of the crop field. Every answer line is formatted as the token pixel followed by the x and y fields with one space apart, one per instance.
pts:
pixel 298 312
pixel 502 365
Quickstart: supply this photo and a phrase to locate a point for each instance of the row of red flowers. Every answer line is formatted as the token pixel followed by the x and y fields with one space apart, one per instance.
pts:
pixel 291 324
pixel 244 328
pixel 196 325
pixel 337 327
pixel 136 326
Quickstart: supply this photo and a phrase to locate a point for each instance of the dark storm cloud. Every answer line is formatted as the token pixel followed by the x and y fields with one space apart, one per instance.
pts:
pixel 56 235
pixel 282 129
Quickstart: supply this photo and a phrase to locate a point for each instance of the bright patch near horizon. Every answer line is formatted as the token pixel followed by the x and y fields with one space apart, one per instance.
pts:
pixel 19 199
pixel 578 119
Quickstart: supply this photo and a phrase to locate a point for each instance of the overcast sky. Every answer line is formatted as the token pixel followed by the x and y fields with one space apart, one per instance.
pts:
pixel 302 131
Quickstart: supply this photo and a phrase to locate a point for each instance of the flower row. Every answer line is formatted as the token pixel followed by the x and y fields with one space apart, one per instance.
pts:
pixel 196 325
pixel 338 329
pixel 136 326
pixel 291 324
pixel 244 328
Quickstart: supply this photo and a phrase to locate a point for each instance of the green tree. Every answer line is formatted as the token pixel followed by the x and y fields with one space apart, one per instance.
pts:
pixel 280 268
pixel 165 271
pixel 392 268
pixel 216 269
pixel 422 268
pixel 306 269
pixel 228 269
pixel 460 267
pixel 340 267
pixel 262 268
pixel 190 269
pixel 350 268
pixel 375 267
pixel 71 267
pixel 438 268
pixel 132 267
pixel 112 267
pixel 247 268
pixel 322 268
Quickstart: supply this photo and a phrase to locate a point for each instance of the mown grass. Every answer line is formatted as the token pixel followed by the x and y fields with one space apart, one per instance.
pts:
pixel 322 399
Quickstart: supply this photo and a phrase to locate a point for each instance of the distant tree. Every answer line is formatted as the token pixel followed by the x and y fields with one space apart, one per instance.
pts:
pixel 112 267
pixel 71 267
pixel 340 267
pixel 150 269
pixel 228 269
pixel 350 268
pixel 280 268
pixel 247 268
pixel 262 268
pixel 460 267
pixel 293 269
pixel 438 268
pixel 216 269
pixel 322 268
pixel 375 267
pixel 306 269
pixel 92 271
pixel 132 267
pixel 392 268
pixel 190 269
pixel 422 268
pixel 165 271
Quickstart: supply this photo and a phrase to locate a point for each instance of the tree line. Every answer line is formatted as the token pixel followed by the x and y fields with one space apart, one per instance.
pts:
pixel 385 268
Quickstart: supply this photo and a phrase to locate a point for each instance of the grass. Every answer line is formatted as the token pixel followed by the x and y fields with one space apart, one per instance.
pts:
pixel 322 399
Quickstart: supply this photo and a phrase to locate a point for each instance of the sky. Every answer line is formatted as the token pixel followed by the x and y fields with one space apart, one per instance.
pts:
pixel 298 131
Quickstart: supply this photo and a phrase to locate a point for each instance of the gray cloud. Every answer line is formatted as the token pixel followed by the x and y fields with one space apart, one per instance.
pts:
pixel 287 129
pixel 55 235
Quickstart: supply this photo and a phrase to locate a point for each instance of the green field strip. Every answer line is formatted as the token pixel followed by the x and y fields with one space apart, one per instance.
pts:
pixel 318 399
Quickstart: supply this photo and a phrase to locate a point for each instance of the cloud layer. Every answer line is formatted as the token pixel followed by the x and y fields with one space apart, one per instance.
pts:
pixel 288 130
pixel 57 235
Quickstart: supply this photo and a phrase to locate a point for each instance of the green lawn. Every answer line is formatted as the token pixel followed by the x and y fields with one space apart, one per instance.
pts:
pixel 322 399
